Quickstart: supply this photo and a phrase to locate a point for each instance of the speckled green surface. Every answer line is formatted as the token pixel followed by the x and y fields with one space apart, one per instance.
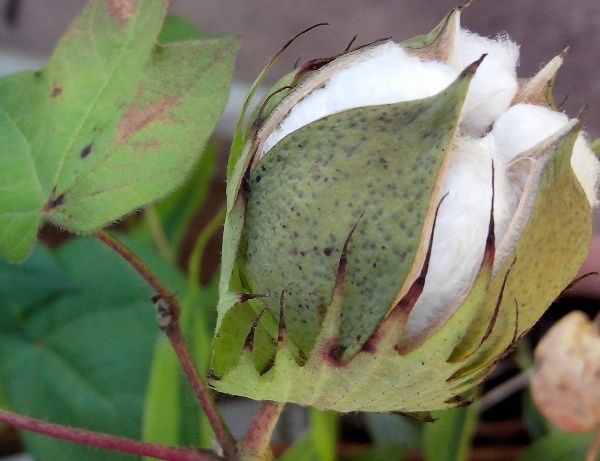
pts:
pixel 310 189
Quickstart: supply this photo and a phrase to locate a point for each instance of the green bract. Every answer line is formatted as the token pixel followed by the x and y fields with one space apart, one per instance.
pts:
pixel 328 241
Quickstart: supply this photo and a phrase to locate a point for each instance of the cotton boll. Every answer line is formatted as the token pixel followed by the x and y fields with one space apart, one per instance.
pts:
pixel 459 235
pixel 385 75
pixel 586 166
pixel 495 83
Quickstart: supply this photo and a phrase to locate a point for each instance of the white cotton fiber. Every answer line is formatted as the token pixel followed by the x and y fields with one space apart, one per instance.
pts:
pixel 386 74
pixel 494 85
pixel 524 125
pixel 460 233
pixel 587 169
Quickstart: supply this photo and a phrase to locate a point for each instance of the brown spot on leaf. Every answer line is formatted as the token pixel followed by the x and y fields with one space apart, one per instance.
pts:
pixel 333 352
pixel 87 150
pixel 136 119
pixel 57 89
pixel 121 10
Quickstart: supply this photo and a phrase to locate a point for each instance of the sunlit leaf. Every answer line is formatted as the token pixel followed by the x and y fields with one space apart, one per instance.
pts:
pixel 113 123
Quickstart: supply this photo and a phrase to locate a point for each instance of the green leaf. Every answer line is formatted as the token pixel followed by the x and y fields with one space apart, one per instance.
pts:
pixel 113 123
pixel 168 221
pixel 393 430
pixel 324 432
pixel 20 200
pixel 449 437
pixel 177 29
pixel 381 453
pixel 78 351
pixel 179 209
pixel 537 426
pixel 558 446
pixel 302 450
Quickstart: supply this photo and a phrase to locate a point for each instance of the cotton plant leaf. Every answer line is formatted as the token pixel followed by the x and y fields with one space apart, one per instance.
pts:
pixel 20 199
pixel 559 446
pixel 324 432
pixel 393 430
pixel 178 29
pixel 301 450
pixel 113 123
pixel 178 210
pixel 79 351
pixel 449 437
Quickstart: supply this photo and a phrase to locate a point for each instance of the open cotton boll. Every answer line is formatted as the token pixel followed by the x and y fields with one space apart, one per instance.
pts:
pixel 385 75
pixel 494 85
pixel 459 235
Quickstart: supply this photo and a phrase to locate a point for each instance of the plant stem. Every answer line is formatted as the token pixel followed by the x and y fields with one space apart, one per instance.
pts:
pixel 105 441
pixel 198 318
pixel 195 261
pixel 226 440
pixel 504 390
pixel 594 447
pixel 256 444
pixel 158 234
pixel 324 431
pixel 168 311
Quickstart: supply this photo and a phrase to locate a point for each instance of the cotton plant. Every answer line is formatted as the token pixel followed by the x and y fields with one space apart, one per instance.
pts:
pixel 397 215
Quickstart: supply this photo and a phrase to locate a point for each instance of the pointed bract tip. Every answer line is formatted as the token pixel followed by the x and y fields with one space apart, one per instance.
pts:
pixel 564 53
pixel 470 70
pixel 299 34
pixel 581 115
pixel 464 5
pixel 249 341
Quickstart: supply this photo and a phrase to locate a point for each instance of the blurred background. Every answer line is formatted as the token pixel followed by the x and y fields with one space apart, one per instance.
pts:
pixel 29 29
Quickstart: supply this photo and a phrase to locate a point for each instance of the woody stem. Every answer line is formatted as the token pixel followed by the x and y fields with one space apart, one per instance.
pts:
pixel 105 441
pixel 256 444
pixel 168 311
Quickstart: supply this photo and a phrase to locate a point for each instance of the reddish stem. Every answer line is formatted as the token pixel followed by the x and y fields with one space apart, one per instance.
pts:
pixel 594 446
pixel 105 441
pixel 256 444
pixel 168 310
pixel 226 440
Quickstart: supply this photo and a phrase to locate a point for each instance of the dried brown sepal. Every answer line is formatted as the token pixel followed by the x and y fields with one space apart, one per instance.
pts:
pixel 566 379
pixel 249 341
pixel 538 89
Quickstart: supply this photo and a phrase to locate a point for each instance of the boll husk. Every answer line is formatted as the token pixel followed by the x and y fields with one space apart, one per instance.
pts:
pixel 398 216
